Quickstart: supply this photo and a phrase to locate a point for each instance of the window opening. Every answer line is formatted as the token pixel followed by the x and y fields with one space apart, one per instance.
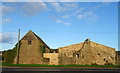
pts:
pixel 29 42
pixel 77 55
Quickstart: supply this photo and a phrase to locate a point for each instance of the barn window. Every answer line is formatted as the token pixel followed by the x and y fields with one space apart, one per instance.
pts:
pixel 29 42
pixel 77 55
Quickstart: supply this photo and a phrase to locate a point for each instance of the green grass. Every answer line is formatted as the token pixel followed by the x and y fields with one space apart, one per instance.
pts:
pixel 0 63
pixel 42 65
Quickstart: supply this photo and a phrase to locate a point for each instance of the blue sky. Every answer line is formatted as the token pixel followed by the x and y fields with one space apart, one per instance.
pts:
pixel 60 24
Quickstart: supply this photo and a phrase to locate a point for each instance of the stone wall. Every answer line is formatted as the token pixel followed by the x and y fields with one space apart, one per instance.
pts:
pixel 87 53
pixel 53 58
pixel 70 48
pixel 31 50
pixel 66 60
pixel 30 54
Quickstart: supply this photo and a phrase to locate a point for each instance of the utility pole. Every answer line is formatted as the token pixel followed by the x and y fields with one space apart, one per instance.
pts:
pixel 18 46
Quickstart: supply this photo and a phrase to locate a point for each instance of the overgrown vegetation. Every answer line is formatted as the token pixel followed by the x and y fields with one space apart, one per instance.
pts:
pixel 42 48
pixel 43 65
pixel 9 55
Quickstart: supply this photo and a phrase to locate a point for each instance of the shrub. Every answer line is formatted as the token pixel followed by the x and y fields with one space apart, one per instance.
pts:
pixel 9 55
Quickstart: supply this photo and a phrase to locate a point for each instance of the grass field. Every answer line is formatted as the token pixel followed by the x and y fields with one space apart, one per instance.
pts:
pixel 42 65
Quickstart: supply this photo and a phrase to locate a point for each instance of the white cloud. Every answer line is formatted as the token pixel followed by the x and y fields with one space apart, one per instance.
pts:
pixel 6 20
pixel 5 10
pixel 62 22
pixel 34 8
pixel 59 21
pixel 58 7
pixel 67 24
pixel 71 5
pixel 66 16
pixel 6 38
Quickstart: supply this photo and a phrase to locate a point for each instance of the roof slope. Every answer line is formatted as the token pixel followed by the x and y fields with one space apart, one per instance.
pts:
pixel 32 36
pixel 81 45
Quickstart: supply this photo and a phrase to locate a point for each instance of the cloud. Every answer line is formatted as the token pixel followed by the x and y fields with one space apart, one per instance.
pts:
pixel 6 9
pixel 66 16
pixel 77 12
pixel 6 38
pixel 58 7
pixel 91 16
pixel 67 23
pixel 71 5
pixel 6 20
pixel 64 6
pixel 59 21
pixel 80 16
pixel 32 8
pixel 63 22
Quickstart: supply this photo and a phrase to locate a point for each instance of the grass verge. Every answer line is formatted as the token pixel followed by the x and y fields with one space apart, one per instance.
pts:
pixel 42 65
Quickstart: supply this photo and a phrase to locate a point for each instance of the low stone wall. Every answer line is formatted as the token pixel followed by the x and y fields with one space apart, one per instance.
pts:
pixel 53 58
pixel 66 60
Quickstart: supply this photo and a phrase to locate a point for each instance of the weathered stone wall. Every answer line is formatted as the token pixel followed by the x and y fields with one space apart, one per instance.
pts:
pixel 82 53
pixel 74 47
pixel 87 53
pixel 30 54
pixel 104 53
pixel 53 58
pixel 69 50
pixel 66 60
pixel 31 50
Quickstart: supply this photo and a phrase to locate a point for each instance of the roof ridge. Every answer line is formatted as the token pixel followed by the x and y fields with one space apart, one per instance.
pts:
pixel 30 31
pixel 40 39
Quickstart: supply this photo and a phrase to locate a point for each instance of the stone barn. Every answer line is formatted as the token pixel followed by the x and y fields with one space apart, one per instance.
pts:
pixel 31 49
pixel 87 53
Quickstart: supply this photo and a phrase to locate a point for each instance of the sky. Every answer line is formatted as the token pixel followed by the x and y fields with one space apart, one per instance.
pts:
pixel 60 24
